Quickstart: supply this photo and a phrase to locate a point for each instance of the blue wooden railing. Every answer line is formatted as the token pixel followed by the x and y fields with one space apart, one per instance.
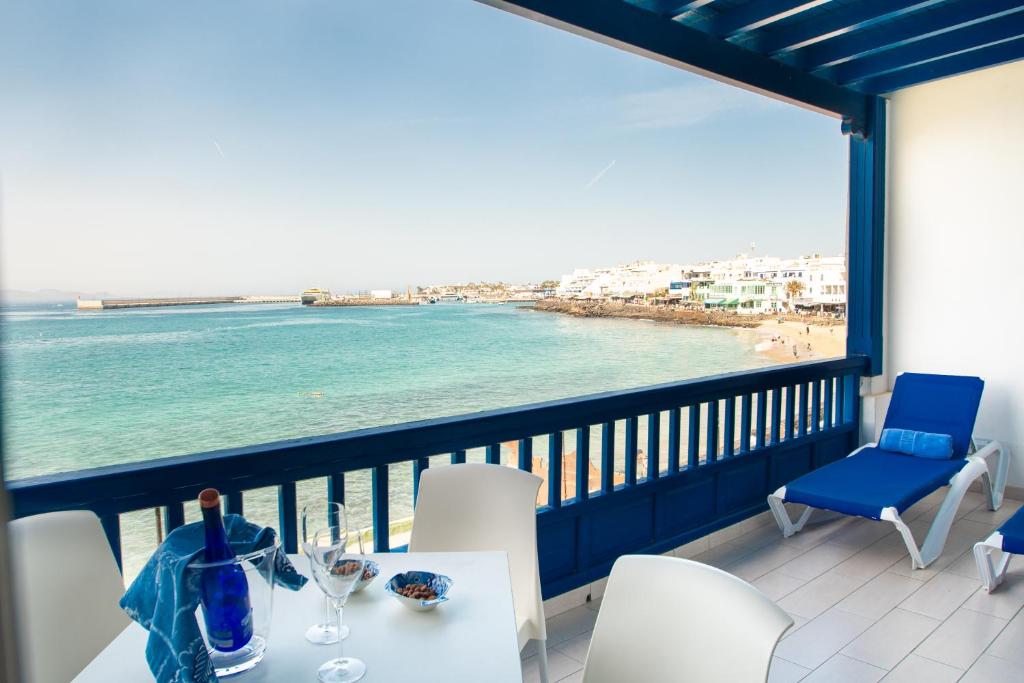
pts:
pixel 715 471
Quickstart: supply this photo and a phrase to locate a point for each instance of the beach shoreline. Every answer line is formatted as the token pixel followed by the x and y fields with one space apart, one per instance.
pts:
pixel 772 336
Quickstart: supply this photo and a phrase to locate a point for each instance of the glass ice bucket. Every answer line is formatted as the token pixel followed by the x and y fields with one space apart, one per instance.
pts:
pixel 258 568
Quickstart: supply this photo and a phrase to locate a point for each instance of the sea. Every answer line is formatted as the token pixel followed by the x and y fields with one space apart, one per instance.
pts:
pixel 84 389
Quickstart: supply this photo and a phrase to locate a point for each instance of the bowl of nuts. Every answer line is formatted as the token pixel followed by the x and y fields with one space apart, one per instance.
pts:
pixel 370 571
pixel 419 591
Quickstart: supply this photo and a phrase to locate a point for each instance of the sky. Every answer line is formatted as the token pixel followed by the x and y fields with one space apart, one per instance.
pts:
pixel 266 147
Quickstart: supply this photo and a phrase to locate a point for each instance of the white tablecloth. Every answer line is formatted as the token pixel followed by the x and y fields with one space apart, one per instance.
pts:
pixel 472 637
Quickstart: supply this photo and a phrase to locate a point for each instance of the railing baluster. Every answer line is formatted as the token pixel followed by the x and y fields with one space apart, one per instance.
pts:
pixel 607 457
pixel 493 456
pixel 729 434
pixel 828 403
pixel 840 401
pixel 790 408
pixel 802 417
pixel 336 488
pixel 583 462
pixel 711 454
pixel 418 465
pixel 745 402
pixel 815 406
pixel 776 415
pixel 762 419
pixel 555 444
pixel 653 446
pixel 286 516
pixel 674 423
pixel 174 516
pixel 631 446
pixel 234 504
pixel 693 440
pixel 459 457
pixel 381 524
pixel 112 528
pixel 526 454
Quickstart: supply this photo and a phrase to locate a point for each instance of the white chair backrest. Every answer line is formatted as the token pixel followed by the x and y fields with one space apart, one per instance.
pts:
pixel 485 507
pixel 666 619
pixel 66 587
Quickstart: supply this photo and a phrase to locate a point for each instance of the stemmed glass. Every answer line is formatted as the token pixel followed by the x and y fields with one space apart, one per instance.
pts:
pixel 325 633
pixel 336 570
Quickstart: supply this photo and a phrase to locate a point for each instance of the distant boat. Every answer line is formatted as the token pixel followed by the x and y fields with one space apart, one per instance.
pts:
pixel 311 296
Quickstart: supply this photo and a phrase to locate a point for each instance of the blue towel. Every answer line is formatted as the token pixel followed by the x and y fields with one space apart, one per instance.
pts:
pixel 921 444
pixel 164 601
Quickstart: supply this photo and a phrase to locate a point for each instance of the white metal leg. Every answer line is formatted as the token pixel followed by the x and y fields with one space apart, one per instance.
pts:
pixel 778 508
pixel 542 660
pixel 992 574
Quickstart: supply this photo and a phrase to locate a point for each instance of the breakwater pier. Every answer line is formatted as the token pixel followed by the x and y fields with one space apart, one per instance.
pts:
pixel 106 304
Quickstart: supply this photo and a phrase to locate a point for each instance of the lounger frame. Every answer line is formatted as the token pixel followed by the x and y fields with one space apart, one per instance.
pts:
pixel 992 573
pixel 977 466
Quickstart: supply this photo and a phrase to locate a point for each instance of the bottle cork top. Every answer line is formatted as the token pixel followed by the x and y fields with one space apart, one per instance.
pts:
pixel 209 498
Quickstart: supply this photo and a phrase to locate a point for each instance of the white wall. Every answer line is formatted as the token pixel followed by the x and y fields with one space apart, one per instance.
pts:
pixel 955 258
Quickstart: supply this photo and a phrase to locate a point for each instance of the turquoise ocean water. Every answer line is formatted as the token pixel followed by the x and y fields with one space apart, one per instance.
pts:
pixel 84 389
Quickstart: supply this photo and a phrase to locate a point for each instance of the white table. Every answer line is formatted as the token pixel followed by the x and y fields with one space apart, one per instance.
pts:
pixel 472 637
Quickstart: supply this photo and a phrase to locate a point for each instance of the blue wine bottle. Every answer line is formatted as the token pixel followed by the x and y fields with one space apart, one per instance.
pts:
pixel 224 589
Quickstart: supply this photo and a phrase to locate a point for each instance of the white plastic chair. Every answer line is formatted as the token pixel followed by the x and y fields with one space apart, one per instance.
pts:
pixel 474 507
pixel 66 587
pixel 666 619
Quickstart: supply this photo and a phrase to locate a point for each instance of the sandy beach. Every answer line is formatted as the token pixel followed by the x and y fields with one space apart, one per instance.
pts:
pixel 811 341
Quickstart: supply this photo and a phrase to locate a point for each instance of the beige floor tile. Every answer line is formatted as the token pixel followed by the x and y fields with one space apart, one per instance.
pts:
pixel 875 559
pixel 941 596
pixel 577 647
pixel 572 678
pixel 843 669
pixel 776 584
pixel 764 560
pixel 817 560
pixel 1010 643
pixel 964 565
pixel 961 638
pixel 817 640
pixel 915 669
pixel 995 518
pixel 570 624
pixel 879 595
pixel 861 533
pixel 1004 602
pixel 962 537
pixel 559 666
pixel 989 669
pixel 891 638
pixel 784 671
pixel 819 594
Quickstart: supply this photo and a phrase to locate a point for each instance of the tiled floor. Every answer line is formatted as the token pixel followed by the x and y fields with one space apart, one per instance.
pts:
pixel 860 612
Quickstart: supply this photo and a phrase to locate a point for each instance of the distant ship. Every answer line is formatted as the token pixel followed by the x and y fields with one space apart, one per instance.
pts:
pixel 311 296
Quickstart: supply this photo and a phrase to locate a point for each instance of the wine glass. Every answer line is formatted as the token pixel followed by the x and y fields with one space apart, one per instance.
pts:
pixel 324 633
pixel 336 569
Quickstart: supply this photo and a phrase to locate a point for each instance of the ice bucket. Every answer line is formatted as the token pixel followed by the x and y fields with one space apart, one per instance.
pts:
pixel 258 567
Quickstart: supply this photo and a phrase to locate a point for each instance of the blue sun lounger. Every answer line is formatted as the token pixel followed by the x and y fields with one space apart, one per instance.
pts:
pixel 1009 538
pixel 882 484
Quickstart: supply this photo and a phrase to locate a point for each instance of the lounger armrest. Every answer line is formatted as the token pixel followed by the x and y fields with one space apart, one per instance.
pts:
pixel 995 482
pixel 988 447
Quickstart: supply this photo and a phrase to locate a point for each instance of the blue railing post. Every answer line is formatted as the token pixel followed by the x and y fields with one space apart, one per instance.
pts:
pixel 336 488
pixel 815 406
pixel 418 465
pixel 745 406
pixel 234 504
pixel 828 403
pixel 458 457
pixel 802 417
pixel 287 518
pixel 526 454
pixel 762 419
pixel 493 456
pixel 379 496
pixel 582 463
pixel 776 414
pixel 711 454
pixel 674 439
pixel 607 457
pixel 555 444
pixel 693 438
pixel 729 433
pixel 790 408
pixel 174 516
pixel 653 445
pixel 112 528
pixel 631 448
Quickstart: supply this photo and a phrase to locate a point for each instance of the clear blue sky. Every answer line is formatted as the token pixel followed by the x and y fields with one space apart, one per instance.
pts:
pixel 219 147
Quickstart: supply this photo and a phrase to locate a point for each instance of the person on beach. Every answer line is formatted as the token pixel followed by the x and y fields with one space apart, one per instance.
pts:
pixel 794 350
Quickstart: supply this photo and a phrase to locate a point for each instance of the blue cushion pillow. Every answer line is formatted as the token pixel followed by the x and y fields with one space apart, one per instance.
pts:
pixel 921 444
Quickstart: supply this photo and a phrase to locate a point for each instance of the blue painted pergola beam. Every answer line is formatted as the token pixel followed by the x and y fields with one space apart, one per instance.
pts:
pixel 895 33
pixel 632 28
pixel 757 14
pixel 940 45
pixel 823 24
pixel 981 58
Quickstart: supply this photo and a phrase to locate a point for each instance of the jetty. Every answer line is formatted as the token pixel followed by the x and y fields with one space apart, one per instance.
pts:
pixel 107 304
